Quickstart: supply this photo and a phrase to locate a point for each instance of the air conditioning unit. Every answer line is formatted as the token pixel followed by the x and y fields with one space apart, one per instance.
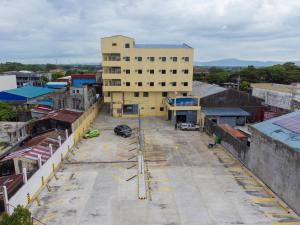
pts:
pixel 147 70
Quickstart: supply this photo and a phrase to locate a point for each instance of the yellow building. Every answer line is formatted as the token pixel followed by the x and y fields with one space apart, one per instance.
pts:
pixel 154 79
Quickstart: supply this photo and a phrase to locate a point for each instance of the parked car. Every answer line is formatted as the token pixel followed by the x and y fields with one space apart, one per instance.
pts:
pixel 92 133
pixel 189 126
pixel 123 131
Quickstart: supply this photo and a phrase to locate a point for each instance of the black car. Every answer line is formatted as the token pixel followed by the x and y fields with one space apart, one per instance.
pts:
pixel 123 130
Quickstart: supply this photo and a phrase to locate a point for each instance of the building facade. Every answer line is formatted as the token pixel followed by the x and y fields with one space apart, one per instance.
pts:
pixel 7 82
pixel 145 79
pixel 278 96
pixel 24 78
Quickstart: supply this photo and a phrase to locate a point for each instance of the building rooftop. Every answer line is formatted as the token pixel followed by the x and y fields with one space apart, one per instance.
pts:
pixel 202 89
pixel 162 46
pixel 220 111
pixel 234 132
pixel 276 87
pixel 64 115
pixel 30 91
pixel 278 132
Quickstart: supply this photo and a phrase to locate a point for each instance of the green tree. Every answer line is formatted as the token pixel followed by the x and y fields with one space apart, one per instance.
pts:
pixel 43 80
pixel 217 75
pixel 7 113
pixel 57 75
pixel 20 216
pixel 245 86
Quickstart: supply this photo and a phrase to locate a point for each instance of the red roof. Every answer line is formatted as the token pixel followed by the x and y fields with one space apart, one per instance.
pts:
pixel 85 76
pixel 12 183
pixel 232 131
pixel 66 115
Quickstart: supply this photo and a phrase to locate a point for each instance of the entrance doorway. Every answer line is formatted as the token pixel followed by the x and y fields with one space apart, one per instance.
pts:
pixel 181 119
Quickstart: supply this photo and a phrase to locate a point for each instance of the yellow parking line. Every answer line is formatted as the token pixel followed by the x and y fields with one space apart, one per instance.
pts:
pixel 259 200
pixel 49 217
pixel 286 223
pixel 116 176
pixel 278 214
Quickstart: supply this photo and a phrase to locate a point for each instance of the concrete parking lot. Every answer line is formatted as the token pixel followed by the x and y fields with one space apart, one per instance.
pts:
pixel 188 183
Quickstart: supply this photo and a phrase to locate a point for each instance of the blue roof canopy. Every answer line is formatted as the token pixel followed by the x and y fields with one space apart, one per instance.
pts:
pixel 220 111
pixel 279 133
pixel 29 91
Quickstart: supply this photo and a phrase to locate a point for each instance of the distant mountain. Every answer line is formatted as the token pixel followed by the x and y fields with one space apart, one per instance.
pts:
pixel 240 63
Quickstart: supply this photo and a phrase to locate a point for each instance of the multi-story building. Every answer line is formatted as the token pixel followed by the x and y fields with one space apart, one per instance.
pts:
pixel 153 80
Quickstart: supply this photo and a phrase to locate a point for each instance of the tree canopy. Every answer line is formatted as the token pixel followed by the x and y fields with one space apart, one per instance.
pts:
pixel 20 216
pixel 284 74
pixel 7 113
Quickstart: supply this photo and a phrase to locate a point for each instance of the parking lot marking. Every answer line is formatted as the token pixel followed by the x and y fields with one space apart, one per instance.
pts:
pixel 259 200
pixel 165 189
pixel 286 223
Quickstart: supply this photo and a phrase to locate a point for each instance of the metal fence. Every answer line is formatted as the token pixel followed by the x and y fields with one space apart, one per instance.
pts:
pixel 237 147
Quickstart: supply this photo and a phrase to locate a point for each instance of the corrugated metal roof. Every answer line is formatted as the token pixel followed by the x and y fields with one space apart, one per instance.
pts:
pixel 30 153
pixel 202 89
pixel 162 46
pixel 232 131
pixel 279 133
pixel 30 91
pixel 221 111
pixel 64 115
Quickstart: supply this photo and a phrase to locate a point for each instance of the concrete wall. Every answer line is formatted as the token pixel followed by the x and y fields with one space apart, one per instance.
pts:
pixel 7 82
pixel 278 166
pixel 274 98
pixel 83 123
pixel 30 189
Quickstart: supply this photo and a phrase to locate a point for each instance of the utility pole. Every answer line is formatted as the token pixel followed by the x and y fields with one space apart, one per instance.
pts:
pixel 238 82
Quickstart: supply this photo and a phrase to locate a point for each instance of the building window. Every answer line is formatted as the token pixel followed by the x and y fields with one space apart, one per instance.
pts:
pixel 136 94
pixel 127 71
pixel 164 94
pixel 126 58
pixel 186 59
pixel 127 45
pixel 173 83
pixel 152 108
pixel 184 94
pixel 185 71
pixel 163 71
pixel 131 109
pixel 127 83
pixel 114 44
pixel 140 72
pixel 151 71
pixel 77 91
pixel 163 83
pixel 185 84
pixel 140 84
pixel 151 59
pixel 139 58
pixel 151 84
pixel 174 59
pixel 73 91
pixel 163 59
pixel 174 71
pixel 146 94
pixel 161 109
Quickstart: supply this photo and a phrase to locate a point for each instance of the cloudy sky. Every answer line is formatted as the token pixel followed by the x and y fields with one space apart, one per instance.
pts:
pixel 69 31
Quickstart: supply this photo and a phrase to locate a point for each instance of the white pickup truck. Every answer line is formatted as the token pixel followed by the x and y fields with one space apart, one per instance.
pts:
pixel 189 126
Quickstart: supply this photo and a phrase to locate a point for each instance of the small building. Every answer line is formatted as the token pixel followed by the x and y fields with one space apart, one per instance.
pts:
pixel 219 115
pixel 25 78
pixel 234 132
pixel 212 95
pixel 24 94
pixel 278 97
pixel 183 109
pixel 62 119
pixel 13 132
pixel 274 156
pixel 7 82
pixel 28 154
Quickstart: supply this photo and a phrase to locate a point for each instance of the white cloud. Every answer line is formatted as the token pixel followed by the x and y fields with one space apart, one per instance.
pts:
pixel 70 30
